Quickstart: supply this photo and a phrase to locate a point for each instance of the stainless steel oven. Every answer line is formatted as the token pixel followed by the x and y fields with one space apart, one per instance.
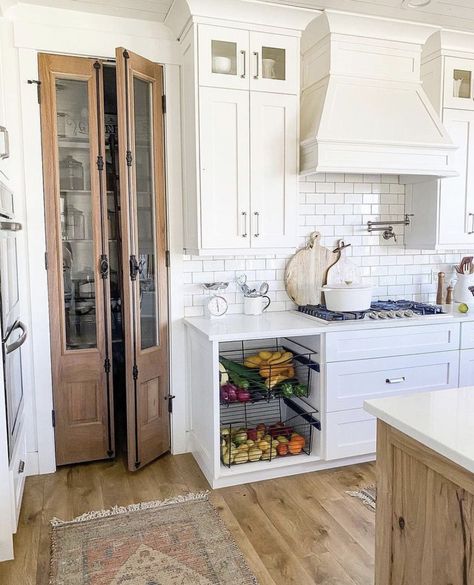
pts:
pixel 13 329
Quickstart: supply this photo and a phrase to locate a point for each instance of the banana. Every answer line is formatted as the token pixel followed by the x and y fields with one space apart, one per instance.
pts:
pixel 253 361
pixel 280 359
pixel 265 355
pixel 268 371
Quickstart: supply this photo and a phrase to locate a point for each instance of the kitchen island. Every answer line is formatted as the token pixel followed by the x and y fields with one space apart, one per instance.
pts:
pixel 425 488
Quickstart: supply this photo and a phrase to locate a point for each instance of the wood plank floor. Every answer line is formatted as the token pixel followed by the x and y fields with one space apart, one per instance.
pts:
pixel 300 530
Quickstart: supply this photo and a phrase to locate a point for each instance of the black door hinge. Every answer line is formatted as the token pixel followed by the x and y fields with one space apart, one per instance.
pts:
pixel 135 372
pixel 100 162
pixel 107 365
pixel 53 418
pixel 167 259
pixel 38 87
pixel 170 399
pixel 104 266
pixel 134 267
pixel 46 260
pixel 163 103
pixel 129 158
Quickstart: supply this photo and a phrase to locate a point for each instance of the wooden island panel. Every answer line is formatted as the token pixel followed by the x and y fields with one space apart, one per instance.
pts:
pixel 425 515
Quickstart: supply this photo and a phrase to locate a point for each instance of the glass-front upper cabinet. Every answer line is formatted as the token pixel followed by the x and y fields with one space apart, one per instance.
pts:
pixel 274 63
pixel 223 57
pixel 459 83
pixel 238 59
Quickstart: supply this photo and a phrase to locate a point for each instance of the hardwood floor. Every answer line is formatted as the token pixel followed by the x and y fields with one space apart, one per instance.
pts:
pixel 300 530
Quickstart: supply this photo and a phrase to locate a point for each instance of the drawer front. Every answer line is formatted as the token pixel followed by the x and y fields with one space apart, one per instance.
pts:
pixel 467 335
pixel 348 384
pixel 392 341
pixel 350 433
pixel 17 476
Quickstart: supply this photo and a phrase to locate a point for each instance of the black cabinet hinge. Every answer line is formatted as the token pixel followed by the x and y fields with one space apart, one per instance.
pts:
pixel 107 365
pixel 167 259
pixel 135 372
pixel 129 158
pixel 53 418
pixel 104 266
pixel 163 103
pixel 100 162
pixel 38 87
pixel 46 260
pixel 170 399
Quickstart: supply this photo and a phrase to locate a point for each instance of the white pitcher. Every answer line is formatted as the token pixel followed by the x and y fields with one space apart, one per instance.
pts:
pixel 461 292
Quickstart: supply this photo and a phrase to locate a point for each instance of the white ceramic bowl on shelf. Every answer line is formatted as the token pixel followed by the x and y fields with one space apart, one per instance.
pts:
pixel 221 64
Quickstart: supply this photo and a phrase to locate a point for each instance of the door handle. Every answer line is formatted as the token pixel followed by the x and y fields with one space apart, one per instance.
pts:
pixel 21 466
pixel 5 154
pixel 20 341
pixel 257 65
pixel 395 380
pixel 257 233
pixel 471 215
pixel 244 216
pixel 244 55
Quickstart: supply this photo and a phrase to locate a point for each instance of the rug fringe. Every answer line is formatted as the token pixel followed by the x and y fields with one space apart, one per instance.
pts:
pixel 117 510
pixel 364 497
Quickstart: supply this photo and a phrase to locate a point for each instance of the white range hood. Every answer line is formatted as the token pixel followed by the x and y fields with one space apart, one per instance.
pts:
pixel 363 108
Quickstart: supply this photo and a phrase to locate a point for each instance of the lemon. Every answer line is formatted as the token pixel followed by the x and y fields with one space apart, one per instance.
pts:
pixel 463 308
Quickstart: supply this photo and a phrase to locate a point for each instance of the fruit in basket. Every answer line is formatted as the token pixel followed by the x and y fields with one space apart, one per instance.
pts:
pixel 255 454
pixel 252 434
pixel 274 380
pixel 280 357
pixel 225 432
pixel 269 454
pixel 240 437
pixel 265 355
pixel 267 438
pixel 249 442
pixel 252 361
pixel 243 447
pixel 282 449
pixel 241 457
pixel 261 427
pixel 243 395
pixel 264 445
pixel 228 393
pixel 283 440
pixel 296 444
pixel 228 458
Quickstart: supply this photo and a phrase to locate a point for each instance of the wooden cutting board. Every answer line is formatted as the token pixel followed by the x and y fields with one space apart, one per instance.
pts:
pixel 306 272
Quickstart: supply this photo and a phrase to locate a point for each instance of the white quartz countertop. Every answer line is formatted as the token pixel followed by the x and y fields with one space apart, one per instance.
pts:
pixel 238 327
pixel 442 420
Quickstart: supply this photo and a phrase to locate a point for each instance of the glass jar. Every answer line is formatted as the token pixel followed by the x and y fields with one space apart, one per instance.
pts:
pixel 71 174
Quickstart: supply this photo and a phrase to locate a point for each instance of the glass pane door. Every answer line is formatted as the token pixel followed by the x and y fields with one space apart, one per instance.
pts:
pixel 273 63
pixel 459 83
pixel 79 286
pixel 146 213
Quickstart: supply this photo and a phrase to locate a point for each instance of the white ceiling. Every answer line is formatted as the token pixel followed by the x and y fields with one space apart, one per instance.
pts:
pixel 448 13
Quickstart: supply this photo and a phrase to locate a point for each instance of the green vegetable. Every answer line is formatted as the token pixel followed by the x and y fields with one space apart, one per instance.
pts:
pixel 286 389
pixel 300 390
pixel 242 376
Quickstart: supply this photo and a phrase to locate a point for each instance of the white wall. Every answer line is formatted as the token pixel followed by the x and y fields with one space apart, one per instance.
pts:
pixel 339 207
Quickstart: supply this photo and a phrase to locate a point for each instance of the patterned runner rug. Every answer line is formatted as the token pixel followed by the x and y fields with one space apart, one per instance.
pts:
pixel 180 541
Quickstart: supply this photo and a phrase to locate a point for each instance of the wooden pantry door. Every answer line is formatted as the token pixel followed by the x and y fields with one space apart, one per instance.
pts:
pixel 77 257
pixel 145 299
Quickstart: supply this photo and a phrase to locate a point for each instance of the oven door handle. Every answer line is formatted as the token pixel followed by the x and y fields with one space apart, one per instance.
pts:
pixel 20 341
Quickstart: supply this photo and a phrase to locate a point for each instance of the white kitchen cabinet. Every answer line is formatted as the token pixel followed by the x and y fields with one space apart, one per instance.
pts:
pixel 459 83
pixel 274 63
pixel 4 136
pixel 350 433
pixel 466 367
pixel 240 139
pixel 234 58
pixel 443 210
pixel 225 168
pixel 274 162
pixel 223 57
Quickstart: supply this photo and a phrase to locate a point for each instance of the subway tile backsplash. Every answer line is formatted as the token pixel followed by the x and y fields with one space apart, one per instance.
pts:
pixel 338 206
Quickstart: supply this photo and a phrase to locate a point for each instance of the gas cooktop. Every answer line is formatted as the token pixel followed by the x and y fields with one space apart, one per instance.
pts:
pixel 400 309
